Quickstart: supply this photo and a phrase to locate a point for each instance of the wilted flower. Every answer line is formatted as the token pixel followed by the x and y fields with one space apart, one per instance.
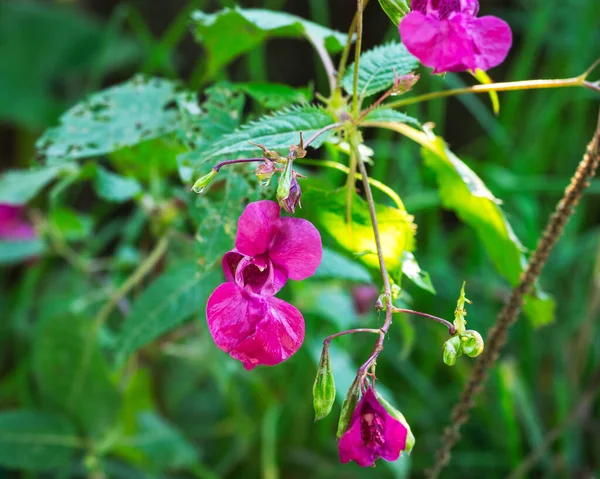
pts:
pixel 12 225
pixel 265 172
pixel 244 318
pixel 447 36
pixel 290 203
pixel 372 433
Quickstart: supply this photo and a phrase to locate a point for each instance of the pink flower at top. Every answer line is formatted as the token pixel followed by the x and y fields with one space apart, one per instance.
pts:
pixel 447 36
pixel 12 225
pixel 372 434
pixel 244 318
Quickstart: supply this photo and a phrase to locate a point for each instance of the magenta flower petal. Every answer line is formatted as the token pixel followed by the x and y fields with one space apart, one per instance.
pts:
pixel 297 247
pixel 492 38
pixel 278 335
pixel 256 227
pixel 12 225
pixel 252 328
pixel 373 433
pixel 230 262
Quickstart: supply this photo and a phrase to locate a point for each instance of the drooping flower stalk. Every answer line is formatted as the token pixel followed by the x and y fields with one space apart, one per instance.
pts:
pixel 509 314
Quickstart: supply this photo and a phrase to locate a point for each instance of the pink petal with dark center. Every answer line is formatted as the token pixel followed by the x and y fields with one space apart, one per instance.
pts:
pixel 230 262
pixel 256 227
pixel 252 328
pixel 297 248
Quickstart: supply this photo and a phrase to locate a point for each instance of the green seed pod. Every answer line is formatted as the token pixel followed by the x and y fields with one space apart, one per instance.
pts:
pixel 285 183
pixel 395 9
pixel 410 437
pixel 324 387
pixel 348 407
pixel 472 343
pixel 203 182
pixel 452 350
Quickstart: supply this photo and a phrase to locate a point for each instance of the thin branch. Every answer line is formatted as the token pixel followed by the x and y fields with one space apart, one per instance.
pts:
pixel 220 165
pixel 328 339
pixel 327 63
pixel 575 414
pixel 498 335
pixel 346 51
pixel 448 324
pixel 357 52
pixel 321 131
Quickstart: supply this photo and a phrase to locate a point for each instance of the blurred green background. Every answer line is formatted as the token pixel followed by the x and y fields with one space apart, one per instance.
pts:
pixel 203 415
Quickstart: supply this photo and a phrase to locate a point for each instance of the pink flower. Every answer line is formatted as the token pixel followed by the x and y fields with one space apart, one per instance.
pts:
pixel 244 318
pixel 372 433
pixel 12 225
pixel 447 36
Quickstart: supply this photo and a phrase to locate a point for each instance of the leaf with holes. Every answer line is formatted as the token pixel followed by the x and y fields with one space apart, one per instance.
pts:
pixel 124 115
pixel 72 375
pixel 36 441
pixel 378 69
pixel 230 33
pixel 167 302
pixel 462 191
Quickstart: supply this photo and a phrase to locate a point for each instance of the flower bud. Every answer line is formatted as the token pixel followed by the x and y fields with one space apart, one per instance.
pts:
pixel 288 191
pixel 472 343
pixel 405 83
pixel 348 407
pixel 265 172
pixel 324 387
pixel 410 437
pixel 452 350
pixel 395 9
pixel 203 182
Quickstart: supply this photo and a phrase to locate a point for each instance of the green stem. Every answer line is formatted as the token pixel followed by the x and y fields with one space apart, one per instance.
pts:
pixel 357 51
pixel 343 168
pixel 578 81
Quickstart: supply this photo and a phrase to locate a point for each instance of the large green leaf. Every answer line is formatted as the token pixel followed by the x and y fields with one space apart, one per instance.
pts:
pixel 19 186
pixel 116 188
pixel 233 32
pixel 396 228
pixel 166 303
pixel 275 95
pixel 71 372
pixel 378 69
pixel 277 132
pixel 36 441
pixel 462 191
pixel 124 115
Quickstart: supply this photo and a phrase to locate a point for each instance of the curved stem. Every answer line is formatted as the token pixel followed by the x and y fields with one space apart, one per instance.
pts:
pixel 328 339
pixel 327 63
pixel 343 168
pixel 357 51
pixel 321 131
pixel 346 51
pixel 448 324
pixel 578 81
pixel 220 165
pixel 509 314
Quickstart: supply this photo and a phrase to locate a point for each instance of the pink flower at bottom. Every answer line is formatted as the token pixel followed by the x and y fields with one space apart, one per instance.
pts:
pixel 12 225
pixel 447 36
pixel 244 318
pixel 372 434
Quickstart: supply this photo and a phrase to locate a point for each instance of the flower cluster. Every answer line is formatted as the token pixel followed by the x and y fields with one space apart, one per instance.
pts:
pixel 244 317
pixel 447 36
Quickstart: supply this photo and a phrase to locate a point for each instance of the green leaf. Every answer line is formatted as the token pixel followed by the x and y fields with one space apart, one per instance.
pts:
pixel 71 373
pixel 17 251
pixel 72 226
pixel 36 441
pixel 124 115
pixel 396 228
pixel 391 115
pixel 275 95
pixel 378 69
pixel 167 302
pixel 17 187
pixel 412 270
pixel 217 218
pixel 462 191
pixel 114 187
pixel 337 266
pixel 230 33
pixel 277 132
pixel 395 9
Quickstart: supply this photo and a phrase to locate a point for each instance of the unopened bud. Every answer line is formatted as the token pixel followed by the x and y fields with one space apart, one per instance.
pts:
pixel 395 9
pixel 288 191
pixel 452 350
pixel 472 343
pixel 405 83
pixel 265 172
pixel 203 182
pixel 348 407
pixel 324 387
pixel 392 411
pixel 293 199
